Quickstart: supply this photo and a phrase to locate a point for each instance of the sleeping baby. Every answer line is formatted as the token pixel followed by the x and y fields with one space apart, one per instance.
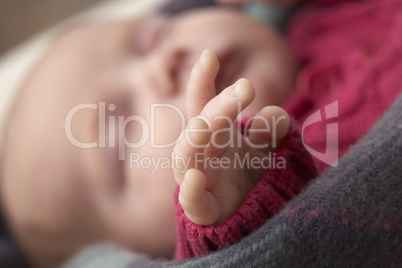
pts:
pixel 162 134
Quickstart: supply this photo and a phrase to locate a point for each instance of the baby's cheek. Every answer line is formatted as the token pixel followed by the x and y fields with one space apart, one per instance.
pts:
pixel 150 208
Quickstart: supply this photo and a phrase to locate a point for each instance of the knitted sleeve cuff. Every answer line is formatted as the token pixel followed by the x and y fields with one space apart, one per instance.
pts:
pixel 275 188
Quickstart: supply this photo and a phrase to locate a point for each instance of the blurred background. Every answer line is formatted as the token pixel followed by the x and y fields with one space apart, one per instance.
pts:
pixel 21 19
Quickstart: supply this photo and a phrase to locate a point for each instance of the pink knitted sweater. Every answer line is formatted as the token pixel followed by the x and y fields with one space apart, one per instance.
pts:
pixel 351 60
pixel 350 53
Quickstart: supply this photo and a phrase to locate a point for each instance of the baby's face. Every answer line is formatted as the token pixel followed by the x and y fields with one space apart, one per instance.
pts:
pixel 82 94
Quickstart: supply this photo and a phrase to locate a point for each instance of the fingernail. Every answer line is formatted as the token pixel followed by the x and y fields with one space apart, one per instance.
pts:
pixel 237 89
pixel 204 59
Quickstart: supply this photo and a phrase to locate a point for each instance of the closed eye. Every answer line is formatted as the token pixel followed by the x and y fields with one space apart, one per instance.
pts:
pixel 152 33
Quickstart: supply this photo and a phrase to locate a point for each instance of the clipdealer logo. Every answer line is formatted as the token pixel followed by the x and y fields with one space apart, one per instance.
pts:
pixel 331 154
pixel 147 129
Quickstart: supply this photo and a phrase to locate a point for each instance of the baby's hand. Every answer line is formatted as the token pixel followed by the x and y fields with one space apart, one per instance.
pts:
pixel 212 184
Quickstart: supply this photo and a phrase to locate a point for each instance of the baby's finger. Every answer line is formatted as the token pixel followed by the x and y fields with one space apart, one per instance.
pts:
pixel 199 204
pixel 201 88
pixel 268 129
pixel 192 142
pixel 223 110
